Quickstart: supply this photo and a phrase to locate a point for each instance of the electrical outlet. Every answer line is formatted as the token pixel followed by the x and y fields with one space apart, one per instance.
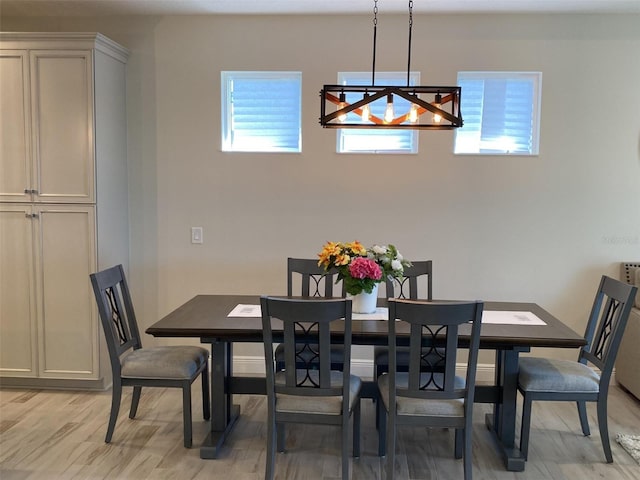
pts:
pixel 196 235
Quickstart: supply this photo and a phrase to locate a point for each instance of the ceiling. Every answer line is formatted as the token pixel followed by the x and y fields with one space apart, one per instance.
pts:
pixel 282 7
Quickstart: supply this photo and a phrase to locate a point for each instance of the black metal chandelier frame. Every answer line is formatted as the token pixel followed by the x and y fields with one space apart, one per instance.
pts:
pixel 442 102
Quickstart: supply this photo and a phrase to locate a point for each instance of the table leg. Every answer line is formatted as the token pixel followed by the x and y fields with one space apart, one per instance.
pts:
pixel 503 421
pixel 223 412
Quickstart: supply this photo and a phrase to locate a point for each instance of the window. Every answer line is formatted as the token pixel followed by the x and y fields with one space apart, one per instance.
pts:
pixel 261 111
pixel 355 140
pixel 501 113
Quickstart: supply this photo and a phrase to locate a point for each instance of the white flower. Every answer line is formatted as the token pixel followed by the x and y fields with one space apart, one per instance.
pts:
pixel 399 257
pixel 378 250
pixel 396 265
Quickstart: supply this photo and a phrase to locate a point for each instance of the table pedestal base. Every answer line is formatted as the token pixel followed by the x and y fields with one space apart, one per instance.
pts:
pixel 214 441
pixel 513 459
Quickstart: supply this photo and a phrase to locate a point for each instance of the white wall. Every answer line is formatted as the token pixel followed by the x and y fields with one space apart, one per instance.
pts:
pixel 540 229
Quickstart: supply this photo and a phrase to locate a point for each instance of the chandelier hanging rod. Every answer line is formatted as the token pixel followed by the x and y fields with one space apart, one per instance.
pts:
pixel 409 46
pixel 375 32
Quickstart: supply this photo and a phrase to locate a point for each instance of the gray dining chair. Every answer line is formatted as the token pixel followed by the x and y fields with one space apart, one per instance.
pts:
pixel 405 287
pixel 313 281
pixel 429 393
pixel 566 380
pixel 137 367
pixel 309 392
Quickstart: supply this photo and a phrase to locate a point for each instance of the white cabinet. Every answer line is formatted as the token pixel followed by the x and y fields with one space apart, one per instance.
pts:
pixel 15 126
pixel 47 126
pixel 47 315
pixel 17 292
pixel 63 202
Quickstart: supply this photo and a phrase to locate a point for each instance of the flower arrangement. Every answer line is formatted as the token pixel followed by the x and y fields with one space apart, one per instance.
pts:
pixel 361 268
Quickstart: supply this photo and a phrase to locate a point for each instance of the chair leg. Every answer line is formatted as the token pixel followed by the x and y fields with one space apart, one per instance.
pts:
pixel 604 429
pixel 467 455
pixel 459 442
pixel 345 446
pixel 525 428
pixel 377 401
pixel 186 414
pixel 584 421
pixel 391 445
pixel 116 396
pixel 280 433
pixel 135 399
pixel 206 399
pixel 381 413
pixel 377 371
pixel 271 447
pixel 356 429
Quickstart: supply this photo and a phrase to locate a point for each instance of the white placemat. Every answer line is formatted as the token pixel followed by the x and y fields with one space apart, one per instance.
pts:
pixel 511 318
pixel 245 310
pixel 382 313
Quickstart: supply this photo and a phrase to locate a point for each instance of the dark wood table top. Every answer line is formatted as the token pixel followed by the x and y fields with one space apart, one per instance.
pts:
pixel 206 317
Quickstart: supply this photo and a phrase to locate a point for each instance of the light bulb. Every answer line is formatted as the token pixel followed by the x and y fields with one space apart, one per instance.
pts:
pixel 366 111
pixel 388 114
pixel 438 104
pixel 413 113
pixel 342 117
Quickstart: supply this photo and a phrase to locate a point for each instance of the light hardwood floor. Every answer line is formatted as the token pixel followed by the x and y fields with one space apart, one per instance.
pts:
pixel 60 435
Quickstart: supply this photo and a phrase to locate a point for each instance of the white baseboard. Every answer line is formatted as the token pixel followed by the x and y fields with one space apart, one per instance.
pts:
pixel 252 365
pixel 99 384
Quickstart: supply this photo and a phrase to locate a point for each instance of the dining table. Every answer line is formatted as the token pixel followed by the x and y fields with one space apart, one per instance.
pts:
pixel 209 318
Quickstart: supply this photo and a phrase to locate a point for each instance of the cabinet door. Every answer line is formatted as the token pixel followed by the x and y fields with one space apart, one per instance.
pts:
pixel 15 134
pixel 63 129
pixel 18 340
pixel 67 318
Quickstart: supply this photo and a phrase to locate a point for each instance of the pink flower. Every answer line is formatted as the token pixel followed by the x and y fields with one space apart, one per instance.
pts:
pixel 362 267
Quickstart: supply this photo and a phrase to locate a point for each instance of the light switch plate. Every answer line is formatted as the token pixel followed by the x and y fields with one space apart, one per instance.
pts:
pixel 196 235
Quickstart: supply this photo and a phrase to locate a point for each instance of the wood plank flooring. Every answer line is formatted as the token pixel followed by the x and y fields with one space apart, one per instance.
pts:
pixel 55 435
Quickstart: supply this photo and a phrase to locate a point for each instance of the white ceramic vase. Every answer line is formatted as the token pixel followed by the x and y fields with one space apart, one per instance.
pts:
pixel 364 302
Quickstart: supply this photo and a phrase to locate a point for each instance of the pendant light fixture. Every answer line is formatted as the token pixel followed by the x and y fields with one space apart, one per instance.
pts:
pixel 431 108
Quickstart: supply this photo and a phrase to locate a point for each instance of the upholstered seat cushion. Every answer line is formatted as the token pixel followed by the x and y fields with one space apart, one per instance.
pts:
pixel 179 362
pixel 317 404
pixel 550 375
pixel 418 406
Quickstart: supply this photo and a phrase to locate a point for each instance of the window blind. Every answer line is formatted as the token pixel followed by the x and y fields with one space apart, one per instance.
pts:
pixel 500 112
pixel 262 111
pixel 380 140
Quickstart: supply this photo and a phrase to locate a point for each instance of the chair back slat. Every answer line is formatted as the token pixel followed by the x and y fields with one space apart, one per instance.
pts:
pixel 119 325
pixel 314 280
pixel 306 326
pixel 606 324
pixel 116 313
pixel 407 286
pixel 450 367
pixel 433 342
